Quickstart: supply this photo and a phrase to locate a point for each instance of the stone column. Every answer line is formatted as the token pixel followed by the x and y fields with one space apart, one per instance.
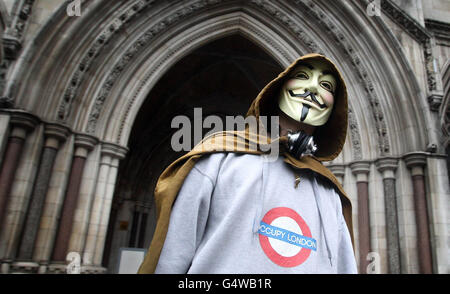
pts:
pixel 387 166
pixel 416 161
pixel 438 194
pixel 21 123
pixel 98 225
pixel 110 235
pixel 361 170
pixel 85 201
pixel 54 199
pixel 83 144
pixel 96 210
pixel 54 135
pixel 106 211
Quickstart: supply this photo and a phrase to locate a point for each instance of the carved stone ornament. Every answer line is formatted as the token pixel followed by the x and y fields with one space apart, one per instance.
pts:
pixel 311 9
pixel 20 22
pixel 317 14
pixel 100 42
pixel 354 135
pixel 133 50
pixel 423 36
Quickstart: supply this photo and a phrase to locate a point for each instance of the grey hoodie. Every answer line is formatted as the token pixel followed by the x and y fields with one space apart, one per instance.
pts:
pixel 239 213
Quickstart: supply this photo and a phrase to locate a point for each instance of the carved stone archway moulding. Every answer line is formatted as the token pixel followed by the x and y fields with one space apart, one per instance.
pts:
pixel 253 32
pixel 285 39
pixel 295 29
pixel 194 38
pixel 113 27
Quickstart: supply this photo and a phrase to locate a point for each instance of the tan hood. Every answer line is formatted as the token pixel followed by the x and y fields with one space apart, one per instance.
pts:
pixel 330 138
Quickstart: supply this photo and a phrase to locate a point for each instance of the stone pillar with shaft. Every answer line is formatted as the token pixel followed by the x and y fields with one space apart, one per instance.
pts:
pixel 416 162
pixel 361 170
pixel 106 212
pixel 387 167
pixel 101 209
pixel 96 210
pixel 85 201
pixel 83 145
pixel 55 134
pixel 21 123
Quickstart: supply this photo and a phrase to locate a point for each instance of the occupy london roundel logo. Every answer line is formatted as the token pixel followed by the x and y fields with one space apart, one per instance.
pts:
pixel 285 237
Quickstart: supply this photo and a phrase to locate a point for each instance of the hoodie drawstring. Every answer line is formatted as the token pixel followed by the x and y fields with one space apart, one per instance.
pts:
pixel 259 212
pixel 319 204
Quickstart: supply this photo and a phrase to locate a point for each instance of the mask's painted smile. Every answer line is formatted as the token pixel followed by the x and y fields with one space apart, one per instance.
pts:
pixel 307 101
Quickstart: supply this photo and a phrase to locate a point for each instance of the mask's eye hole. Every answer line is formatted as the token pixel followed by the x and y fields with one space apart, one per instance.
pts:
pixel 327 86
pixel 301 75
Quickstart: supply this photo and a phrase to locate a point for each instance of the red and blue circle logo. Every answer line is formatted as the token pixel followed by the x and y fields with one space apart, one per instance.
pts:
pixel 285 237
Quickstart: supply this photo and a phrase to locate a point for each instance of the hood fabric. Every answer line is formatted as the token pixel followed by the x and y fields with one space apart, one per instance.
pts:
pixel 330 139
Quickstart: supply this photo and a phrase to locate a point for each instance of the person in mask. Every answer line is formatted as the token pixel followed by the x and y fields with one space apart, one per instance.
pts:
pixel 231 211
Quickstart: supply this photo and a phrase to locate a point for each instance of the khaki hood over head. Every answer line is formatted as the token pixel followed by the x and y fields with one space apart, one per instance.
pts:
pixel 329 138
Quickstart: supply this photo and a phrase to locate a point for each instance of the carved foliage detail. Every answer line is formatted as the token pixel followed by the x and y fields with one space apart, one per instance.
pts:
pixel 317 14
pixel 21 20
pixel 132 51
pixel 103 38
pixel 354 135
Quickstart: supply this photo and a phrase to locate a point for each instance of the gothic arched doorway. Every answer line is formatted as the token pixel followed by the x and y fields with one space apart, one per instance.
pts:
pixel 221 78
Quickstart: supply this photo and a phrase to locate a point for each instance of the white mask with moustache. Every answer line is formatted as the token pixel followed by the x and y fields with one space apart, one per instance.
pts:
pixel 307 95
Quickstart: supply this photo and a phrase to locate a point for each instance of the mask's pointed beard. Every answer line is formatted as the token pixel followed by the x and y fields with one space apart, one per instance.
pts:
pixel 305 111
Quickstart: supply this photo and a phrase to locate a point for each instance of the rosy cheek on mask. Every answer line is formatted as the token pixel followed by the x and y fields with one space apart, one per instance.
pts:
pixel 291 84
pixel 328 98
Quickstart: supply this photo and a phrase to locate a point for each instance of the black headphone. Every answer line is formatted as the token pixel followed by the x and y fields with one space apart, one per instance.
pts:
pixel 301 144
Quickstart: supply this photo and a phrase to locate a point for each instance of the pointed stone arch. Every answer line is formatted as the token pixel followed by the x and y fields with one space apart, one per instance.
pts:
pixel 97 89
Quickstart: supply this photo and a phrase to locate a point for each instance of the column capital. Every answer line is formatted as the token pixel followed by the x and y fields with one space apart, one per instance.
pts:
pixel 415 159
pixel 387 166
pixel 114 150
pixel 337 169
pixel 360 167
pixel 386 163
pixel 84 144
pixel 85 141
pixel 57 131
pixel 23 119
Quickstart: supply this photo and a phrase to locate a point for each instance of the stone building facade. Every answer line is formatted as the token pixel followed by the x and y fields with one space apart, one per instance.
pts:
pixel 88 93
